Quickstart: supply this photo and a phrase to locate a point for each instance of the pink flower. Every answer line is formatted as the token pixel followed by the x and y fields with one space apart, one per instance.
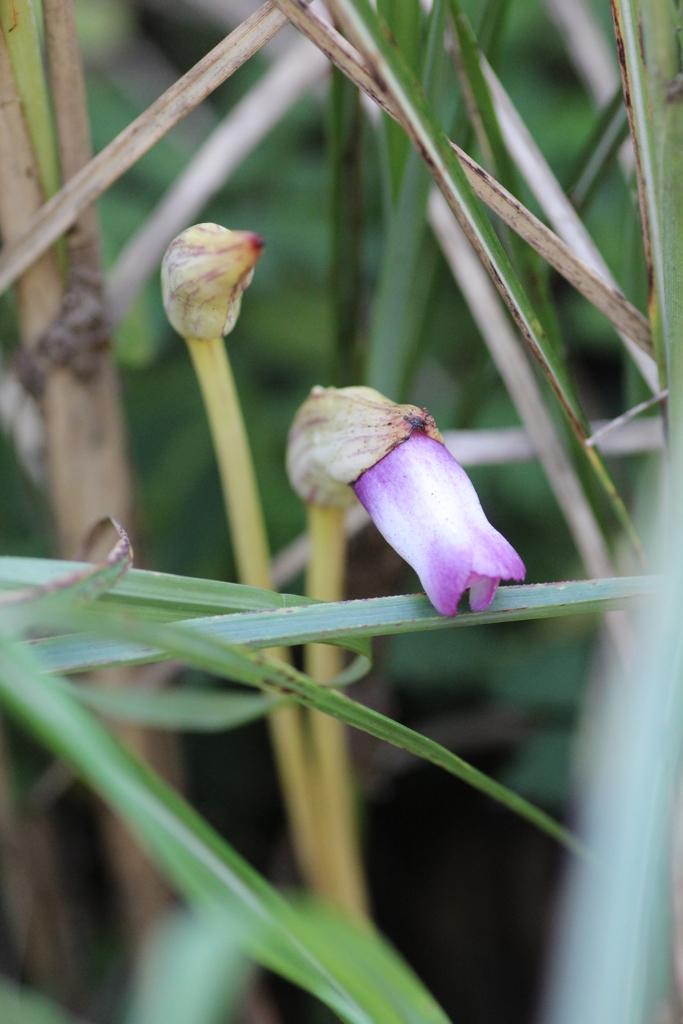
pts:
pixel 424 504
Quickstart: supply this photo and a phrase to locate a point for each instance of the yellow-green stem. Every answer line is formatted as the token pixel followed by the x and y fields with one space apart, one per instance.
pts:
pixel 343 881
pixel 19 27
pixel 250 545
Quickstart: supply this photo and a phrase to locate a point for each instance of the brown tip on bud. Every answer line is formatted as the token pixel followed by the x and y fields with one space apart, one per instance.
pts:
pixel 340 433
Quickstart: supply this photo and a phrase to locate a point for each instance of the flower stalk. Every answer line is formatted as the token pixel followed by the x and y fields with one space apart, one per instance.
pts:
pixel 204 273
pixel 342 880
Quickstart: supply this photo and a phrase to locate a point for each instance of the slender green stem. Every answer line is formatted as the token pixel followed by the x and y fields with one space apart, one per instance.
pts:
pixel 248 531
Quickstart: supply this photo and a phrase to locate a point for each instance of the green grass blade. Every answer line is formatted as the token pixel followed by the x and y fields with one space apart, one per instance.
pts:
pixel 204 868
pixel 192 972
pixel 22 1005
pixel 627 27
pixel 182 710
pixel 347 621
pixel 527 263
pixel 660 34
pixel 217 657
pixel 403 20
pixel 599 152
pixel 154 594
pixel 346 215
pixel 402 290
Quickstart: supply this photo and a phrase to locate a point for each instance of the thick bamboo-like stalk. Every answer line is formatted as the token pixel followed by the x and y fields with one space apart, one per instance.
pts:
pixel 344 882
pixel 87 470
pixel 87 460
pixel 250 545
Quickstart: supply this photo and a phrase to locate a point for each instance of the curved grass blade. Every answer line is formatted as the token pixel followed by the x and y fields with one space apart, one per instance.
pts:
pixel 274 677
pixel 86 582
pixel 153 594
pixel 199 863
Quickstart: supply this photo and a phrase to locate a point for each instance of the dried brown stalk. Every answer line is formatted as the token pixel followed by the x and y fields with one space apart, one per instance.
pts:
pixel 87 460
pixel 87 469
pixel 559 211
pixel 510 358
pixel 103 170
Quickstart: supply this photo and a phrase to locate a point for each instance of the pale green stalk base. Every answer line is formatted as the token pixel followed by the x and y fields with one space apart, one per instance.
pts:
pixel 343 881
pixel 248 532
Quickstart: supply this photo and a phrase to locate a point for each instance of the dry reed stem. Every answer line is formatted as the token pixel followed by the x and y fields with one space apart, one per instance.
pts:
pixel 138 137
pixel 67 85
pixel 517 374
pixel 39 291
pixel 103 170
pixel 39 294
pixel 560 212
pixel 593 284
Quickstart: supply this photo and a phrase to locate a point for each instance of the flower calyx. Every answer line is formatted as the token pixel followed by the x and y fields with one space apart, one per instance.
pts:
pixel 340 433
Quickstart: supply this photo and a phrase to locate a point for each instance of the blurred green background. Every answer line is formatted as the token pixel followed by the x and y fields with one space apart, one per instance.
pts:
pixel 463 889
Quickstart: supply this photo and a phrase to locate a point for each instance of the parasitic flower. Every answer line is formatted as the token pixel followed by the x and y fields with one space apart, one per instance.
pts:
pixel 421 500
pixel 203 274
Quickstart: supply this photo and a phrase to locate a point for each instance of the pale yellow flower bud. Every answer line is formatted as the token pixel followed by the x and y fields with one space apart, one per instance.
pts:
pixel 203 274
pixel 339 433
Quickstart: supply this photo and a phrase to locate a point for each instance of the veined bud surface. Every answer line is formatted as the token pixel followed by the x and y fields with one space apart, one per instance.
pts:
pixel 203 274
pixel 339 433
pixel 420 499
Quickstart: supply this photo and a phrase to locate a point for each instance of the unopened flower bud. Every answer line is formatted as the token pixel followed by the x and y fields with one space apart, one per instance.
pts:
pixel 339 433
pixel 420 499
pixel 203 274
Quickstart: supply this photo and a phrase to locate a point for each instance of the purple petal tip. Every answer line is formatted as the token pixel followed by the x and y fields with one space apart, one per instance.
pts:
pixel 424 504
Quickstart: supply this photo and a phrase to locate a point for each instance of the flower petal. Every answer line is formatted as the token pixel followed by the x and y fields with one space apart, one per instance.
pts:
pixel 424 504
